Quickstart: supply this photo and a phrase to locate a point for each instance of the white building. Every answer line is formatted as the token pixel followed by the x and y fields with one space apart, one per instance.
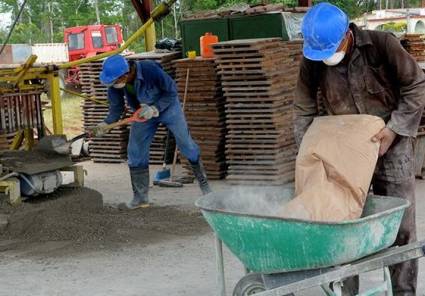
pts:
pixel 413 17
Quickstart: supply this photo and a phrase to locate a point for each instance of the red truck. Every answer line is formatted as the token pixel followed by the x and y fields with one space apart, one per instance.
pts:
pixel 87 41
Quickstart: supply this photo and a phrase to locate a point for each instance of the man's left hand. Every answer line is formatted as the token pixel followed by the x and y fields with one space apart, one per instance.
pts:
pixel 148 112
pixel 386 136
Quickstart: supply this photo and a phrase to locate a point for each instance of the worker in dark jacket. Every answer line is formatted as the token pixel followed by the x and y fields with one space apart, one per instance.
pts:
pixel 366 72
pixel 144 84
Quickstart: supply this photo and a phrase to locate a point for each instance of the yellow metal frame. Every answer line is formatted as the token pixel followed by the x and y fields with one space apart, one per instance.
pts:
pixel 93 99
pixel 55 97
pixel 150 38
pixel 12 188
pixel 79 173
pixel 21 77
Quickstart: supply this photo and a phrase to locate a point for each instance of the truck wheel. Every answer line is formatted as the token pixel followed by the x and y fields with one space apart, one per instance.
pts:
pixel 250 284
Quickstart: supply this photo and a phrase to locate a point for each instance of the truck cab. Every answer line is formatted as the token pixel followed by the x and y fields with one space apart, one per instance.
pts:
pixel 87 41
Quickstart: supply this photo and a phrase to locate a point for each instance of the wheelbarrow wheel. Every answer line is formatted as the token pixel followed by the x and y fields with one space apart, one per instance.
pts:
pixel 250 284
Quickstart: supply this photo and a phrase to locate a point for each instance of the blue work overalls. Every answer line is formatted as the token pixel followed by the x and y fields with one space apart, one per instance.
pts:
pixel 152 86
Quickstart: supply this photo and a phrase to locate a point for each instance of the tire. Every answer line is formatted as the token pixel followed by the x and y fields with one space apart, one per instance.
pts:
pixel 250 284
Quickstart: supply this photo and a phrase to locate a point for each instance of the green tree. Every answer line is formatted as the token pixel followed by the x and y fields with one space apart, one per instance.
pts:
pixel 45 21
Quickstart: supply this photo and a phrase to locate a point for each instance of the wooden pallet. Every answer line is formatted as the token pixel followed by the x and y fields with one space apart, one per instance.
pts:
pixel 204 112
pixel 6 140
pixel 415 45
pixel 259 78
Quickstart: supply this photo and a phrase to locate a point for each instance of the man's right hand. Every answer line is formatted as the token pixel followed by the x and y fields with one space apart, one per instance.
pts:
pixel 99 130
pixel 148 112
pixel 386 137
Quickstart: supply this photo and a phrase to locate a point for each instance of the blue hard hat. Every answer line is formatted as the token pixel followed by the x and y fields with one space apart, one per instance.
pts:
pixel 113 68
pixel 323 28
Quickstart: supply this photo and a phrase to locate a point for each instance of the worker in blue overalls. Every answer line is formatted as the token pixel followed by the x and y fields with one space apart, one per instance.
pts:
pixel 145 85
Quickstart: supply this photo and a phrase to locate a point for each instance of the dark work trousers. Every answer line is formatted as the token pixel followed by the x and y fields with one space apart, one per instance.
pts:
pixel 404 275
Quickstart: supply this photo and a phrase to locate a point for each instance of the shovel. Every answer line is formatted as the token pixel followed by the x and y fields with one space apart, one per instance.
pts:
pixel 59 144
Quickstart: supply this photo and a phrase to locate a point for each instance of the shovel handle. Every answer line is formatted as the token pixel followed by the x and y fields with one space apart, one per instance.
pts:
pixel 82 136
pixel 134 118
pixel 116 124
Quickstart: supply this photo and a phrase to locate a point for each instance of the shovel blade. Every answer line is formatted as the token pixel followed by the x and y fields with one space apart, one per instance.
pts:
pixel 54 144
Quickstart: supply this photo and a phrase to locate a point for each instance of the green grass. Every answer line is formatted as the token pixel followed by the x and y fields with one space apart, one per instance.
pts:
pixel 72 116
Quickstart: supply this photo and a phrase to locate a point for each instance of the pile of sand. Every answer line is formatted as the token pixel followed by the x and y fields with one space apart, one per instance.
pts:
pixel 78 215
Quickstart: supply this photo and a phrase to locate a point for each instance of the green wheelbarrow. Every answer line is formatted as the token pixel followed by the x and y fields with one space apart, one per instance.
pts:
pixel 284 256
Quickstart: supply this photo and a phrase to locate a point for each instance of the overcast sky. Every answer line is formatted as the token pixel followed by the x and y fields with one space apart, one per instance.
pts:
pixel 4 20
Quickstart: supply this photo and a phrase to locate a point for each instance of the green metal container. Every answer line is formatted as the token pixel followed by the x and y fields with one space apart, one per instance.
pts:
pixel 258 26
pixel 192 30
pixel 270 244
pixel 231 28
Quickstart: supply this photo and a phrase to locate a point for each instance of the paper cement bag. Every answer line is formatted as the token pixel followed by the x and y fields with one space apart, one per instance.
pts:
pixel 334 168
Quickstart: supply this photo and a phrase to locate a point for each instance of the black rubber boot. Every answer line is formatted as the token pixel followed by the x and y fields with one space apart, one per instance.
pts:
pixel 140 184
pixel 201 176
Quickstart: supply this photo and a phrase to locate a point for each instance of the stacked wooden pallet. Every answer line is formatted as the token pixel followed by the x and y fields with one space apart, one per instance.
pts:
pixel 6 140
pixel 243 9
pixel 415 45
pixel 258 79
pixel 204 110
pixel 112 147
pixel 165 59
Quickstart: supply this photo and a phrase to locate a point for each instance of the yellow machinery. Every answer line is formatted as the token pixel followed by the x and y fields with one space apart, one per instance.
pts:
pixel 30 78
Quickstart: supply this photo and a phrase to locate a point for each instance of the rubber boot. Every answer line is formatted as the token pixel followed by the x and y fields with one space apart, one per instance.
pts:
pixel 201 176
pixel 140 184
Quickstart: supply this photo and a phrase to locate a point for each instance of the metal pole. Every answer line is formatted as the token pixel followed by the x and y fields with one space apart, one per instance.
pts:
pixel 56 103
pixel 409 29
pixel 150 38
pixel 176 31
pixel 365 20
pixel 96 6
pixel 221 284
pixel 50 8
pixel 388 282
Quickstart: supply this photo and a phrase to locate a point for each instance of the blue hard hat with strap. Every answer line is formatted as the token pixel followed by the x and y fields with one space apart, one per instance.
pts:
pixel 324 27
pixel 113 68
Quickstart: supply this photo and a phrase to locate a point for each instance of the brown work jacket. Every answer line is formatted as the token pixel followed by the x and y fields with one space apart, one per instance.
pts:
pixel 379 78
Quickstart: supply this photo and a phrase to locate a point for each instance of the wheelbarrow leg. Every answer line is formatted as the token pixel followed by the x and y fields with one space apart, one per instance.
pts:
pixel 388 282
pixel 221 285
pixel 328 291
pixel 337 287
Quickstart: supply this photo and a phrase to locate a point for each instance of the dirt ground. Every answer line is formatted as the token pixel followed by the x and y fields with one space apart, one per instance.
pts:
pixel 79 243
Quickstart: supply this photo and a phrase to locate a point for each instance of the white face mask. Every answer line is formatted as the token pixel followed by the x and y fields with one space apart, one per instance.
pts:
pixel 119 85
pixel 335 59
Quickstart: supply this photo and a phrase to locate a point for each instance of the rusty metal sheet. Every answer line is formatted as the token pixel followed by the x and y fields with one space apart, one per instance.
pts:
pixel 19 111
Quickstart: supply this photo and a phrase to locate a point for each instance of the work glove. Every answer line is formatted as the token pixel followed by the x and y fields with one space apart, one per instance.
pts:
pixel 99 130
pixel 148 112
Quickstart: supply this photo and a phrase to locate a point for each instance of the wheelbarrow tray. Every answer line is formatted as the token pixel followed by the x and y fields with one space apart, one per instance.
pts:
pixel 271 244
